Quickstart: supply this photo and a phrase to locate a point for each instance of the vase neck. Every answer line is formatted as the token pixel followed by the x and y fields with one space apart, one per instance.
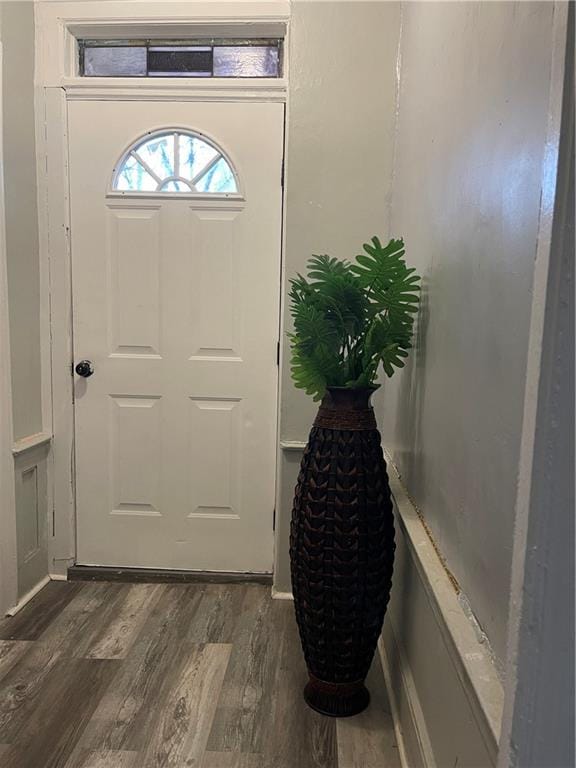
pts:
pixel 357 399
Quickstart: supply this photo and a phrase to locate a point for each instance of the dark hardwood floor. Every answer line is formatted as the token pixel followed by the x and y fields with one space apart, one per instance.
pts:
pixel 112 675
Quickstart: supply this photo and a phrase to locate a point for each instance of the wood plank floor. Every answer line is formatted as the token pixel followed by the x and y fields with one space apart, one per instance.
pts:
pixel 109 675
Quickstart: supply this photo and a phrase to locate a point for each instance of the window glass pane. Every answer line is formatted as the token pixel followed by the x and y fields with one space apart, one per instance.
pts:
pixel 112 60
pixel 193 58
pixel 219 179
pixel 133 176
pixel 158 155
pixel 180 61
pixel 175 162
pixel 245 61
pixel 195 155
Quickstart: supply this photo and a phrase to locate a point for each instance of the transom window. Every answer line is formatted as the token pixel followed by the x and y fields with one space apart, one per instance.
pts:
pixel 175 161
pixel 180 58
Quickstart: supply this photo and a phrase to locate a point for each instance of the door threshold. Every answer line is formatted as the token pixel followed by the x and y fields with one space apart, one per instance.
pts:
pixel 163 575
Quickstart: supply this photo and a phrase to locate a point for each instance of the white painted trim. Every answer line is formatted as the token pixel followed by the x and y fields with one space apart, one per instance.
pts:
pixel 172 89
pixel 62 23
pixel 281 328
pixel 472 660
pixel 276 595
pixel 292 445
pixel 58 576
pixel 28 443
pixel 55 262
pixel 28 596
pixel 8 545
pixel 45 312
pixel 414 731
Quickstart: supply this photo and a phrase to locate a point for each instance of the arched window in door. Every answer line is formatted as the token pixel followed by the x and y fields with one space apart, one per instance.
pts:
pixel 175 161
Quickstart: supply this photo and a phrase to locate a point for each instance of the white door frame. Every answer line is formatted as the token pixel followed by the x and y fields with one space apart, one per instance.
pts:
pixel 8 545
pixel 58 25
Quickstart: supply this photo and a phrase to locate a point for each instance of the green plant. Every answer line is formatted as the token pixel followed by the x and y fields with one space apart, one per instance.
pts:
pixel 350 317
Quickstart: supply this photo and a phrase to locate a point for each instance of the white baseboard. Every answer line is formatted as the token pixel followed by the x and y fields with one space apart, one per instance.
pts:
pixel 59 568
pixel 394 704
pixel 409 724
pixel 28 596
pixel 276 595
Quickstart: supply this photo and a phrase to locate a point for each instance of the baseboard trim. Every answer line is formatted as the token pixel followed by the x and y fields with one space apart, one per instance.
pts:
pixel 276 595
pixel 392 700
pixel 292 445
pixel 28 596
pixel 411 734
pixel 163 576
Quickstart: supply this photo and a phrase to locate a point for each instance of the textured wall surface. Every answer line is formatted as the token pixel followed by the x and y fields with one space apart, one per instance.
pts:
pixel 339 167
pixel 21 214
pixel 475 81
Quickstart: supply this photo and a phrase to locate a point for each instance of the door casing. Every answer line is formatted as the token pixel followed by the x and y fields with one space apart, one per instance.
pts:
pixel 58 25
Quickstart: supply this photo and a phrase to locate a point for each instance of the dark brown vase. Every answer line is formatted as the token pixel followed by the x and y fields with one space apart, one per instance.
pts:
pixel 341 550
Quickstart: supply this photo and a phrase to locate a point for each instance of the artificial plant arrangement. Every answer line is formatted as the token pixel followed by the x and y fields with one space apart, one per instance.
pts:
pixel 348 318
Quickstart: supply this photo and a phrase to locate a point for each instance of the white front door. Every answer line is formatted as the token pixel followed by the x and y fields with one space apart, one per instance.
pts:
pixel 176 305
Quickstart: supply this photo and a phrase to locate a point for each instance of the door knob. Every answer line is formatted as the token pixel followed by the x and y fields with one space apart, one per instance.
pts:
pixel 84 368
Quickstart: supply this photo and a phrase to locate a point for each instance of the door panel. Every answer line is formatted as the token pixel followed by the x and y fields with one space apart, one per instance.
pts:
pixel 176 303
pixel 135 460
pixel 215 480
pixel 215 315
pixel 134 293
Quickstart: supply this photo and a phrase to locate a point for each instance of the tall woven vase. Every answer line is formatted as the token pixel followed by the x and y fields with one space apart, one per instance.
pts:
pixel 341 550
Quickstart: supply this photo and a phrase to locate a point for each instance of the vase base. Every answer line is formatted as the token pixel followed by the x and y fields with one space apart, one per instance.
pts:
pixel 336 699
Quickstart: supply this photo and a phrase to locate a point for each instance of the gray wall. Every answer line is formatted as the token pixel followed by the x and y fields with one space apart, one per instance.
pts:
pixel 21 214
pixel 339 168
pixel 466 193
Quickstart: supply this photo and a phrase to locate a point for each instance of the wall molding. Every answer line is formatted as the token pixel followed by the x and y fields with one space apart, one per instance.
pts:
pixel 469 656
pixel 277 595
pixel 25 599
pixel 473 658
pixel 292 445
pixel 124 89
